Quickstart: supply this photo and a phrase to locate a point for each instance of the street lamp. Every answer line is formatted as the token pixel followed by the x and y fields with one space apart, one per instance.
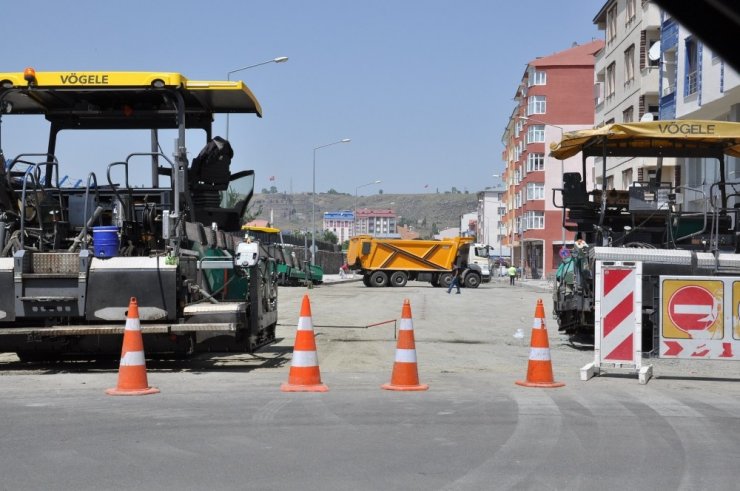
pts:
pixel 354 226
pixel 313 197
pixel 562 174
pixel 279 59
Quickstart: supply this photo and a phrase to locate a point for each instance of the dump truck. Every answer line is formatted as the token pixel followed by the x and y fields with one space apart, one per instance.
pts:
pixel 157 227
pixel 393 262
pixel 671 228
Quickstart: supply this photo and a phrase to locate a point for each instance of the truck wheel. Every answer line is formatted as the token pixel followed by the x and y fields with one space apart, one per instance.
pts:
pixel 435 281
pixel 378 278
pixel 472 280
pixel 366 280
pixel 445 279
pixel 399 278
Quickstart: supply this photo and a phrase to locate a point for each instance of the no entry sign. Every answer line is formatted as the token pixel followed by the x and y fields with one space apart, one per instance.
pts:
pixel 694 310
pixel 700 317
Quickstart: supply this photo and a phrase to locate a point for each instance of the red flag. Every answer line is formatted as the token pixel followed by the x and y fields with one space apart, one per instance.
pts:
pixel 272 178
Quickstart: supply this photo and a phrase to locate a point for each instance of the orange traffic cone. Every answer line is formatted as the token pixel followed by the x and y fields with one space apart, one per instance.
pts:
pixel 304 373
pixel 405 374
pixel 539 371
pixel 132 370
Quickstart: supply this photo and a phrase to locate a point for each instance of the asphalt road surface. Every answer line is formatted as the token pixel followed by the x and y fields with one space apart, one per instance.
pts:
pixel 221 422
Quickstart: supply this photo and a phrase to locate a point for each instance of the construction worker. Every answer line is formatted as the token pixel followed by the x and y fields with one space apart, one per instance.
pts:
pixel 512 274
pixel 455 280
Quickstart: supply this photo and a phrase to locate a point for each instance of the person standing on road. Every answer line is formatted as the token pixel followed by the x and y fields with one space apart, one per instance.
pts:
pixel 512 274
pixel 455 280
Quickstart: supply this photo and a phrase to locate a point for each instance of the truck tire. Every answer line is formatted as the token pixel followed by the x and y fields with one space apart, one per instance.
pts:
pixel 366 280
pixel 435 281
pixel 399 278
pixel 378 278
pixel 445 279
pixel 472 280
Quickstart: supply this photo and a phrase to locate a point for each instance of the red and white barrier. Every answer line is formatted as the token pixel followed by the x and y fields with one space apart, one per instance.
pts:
pixel 618 320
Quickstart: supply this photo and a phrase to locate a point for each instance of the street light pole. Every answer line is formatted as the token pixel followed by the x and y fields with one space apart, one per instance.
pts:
pixel 354 223
pixel 313 197
pixel 279 59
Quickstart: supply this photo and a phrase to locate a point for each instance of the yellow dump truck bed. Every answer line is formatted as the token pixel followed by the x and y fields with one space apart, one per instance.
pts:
pixel 368 253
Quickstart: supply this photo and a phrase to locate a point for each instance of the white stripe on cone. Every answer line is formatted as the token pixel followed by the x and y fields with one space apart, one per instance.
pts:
pixel 539 354
pixel 304 324
pixel 406 355
pixel 132 359
pixel 405 325
pixel 132 324
pixel 537 324
pixel 305 359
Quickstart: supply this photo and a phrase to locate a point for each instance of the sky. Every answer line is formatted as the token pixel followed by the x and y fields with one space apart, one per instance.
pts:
pixel 423 88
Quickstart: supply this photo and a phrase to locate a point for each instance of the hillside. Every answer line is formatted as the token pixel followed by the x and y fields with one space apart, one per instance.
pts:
pixel 422 211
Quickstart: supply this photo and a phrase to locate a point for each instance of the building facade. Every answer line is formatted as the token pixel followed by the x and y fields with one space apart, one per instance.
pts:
pixel 340 223
pixel 491 225
pixel 555 95
pixel 379 223
pixel 627 86
pixel 696 84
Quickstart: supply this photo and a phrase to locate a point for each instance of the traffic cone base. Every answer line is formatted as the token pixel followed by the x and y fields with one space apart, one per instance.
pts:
pixel 132 392
pixel 304 388
pixel 539 369
pixel 304 375
pixel 405 376
pixel 544 385
pixel 132 379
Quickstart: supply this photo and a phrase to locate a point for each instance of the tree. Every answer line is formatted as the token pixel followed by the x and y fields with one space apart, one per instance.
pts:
pixel 330 237
pixel 380 191
pixel 273 190
pixel 265 191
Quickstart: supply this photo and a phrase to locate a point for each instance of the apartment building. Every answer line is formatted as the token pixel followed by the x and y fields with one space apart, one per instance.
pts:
pixel 340 223
pixel 555 95
pixel 696 83
pixel 627 85
pixel 380 223
pixel 490 219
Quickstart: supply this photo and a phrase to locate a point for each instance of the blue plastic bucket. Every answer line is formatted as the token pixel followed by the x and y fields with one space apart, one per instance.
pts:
pixel 105 241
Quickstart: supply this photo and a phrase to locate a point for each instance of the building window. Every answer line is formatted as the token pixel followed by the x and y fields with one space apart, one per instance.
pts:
pixel 690 85
pixel 536 104
pixel 536 133
pixel 537 77
pixel 609 182
pixel 611 80
pixel 631 11
pixel 517 200
pixel 535 162
pixel 611 24
pixel 517 176
pixel 535 190
pixel 626 178
pixel 535 219
pixel 518 128
pixel 629 65
pixel 628 115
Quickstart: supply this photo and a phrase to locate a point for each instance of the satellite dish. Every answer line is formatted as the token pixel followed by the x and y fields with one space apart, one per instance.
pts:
pixel 654 51
pixel 647 117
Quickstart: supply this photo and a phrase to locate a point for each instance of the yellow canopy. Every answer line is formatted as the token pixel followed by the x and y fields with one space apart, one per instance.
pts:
pixel 672 138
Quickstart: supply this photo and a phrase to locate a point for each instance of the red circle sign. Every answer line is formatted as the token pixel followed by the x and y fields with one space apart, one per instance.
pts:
pixel 693 308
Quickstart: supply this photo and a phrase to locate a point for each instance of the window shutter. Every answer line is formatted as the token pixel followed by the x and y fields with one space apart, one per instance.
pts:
pixel 640 174
pixel 643 45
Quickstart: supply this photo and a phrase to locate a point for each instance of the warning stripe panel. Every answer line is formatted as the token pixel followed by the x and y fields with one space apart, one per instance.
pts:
pixel 618 314
pixel 614 278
